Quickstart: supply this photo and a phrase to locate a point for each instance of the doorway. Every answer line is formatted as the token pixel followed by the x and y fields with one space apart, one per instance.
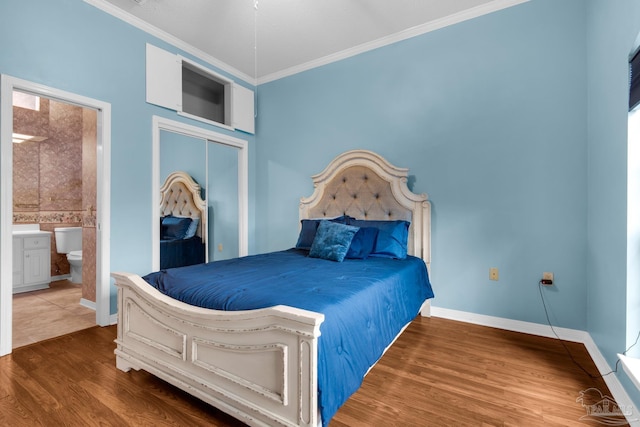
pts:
pixel 54 188
pixel 102 113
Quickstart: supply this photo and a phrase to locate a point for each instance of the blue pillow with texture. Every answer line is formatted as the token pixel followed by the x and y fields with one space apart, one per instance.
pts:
pixel 174 228
pixel 309 227
pixel 332 241
pixel 363 243
pixel 392 240
pixel 193 228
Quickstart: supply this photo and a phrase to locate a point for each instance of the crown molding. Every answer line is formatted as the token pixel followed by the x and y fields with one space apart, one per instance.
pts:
pixel 437 24
pixel 109 8
pixel 456 18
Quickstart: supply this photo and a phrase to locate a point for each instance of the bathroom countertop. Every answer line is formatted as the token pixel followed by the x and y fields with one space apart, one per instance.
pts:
pixel 34 233
pixel 29 229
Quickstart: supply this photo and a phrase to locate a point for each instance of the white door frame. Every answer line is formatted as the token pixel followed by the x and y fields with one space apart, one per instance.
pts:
pixel 103 282
pixel 164 124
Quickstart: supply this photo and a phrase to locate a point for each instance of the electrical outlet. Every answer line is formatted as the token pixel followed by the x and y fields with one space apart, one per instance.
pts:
pixel 547 279
pixel 219 247
pixel 493 273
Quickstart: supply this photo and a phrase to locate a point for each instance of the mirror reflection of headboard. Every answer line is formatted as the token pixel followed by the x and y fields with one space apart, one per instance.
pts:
pixel 180 196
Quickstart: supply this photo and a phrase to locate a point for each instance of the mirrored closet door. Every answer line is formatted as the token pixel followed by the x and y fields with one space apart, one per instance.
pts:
pixel 217 163
pixel 222 201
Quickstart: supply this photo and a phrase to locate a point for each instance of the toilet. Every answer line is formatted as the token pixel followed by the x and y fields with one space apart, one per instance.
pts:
pixel 69 241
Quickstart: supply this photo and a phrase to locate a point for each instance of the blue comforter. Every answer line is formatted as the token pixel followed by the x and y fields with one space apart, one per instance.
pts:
pixel 365 302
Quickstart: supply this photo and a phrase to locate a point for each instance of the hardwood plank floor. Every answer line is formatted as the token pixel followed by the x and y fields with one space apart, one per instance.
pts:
pixel 438 373
pixel 446 373
pixel 48 313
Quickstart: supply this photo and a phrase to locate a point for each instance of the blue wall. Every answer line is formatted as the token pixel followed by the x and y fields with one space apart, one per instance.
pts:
pixel 612 31
pixel 515 124
pixel 490 117
pixel 183 153
pixel 72 46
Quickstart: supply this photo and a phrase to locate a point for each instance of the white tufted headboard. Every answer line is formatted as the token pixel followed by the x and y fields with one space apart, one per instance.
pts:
pixel 180 196
pixel 364 185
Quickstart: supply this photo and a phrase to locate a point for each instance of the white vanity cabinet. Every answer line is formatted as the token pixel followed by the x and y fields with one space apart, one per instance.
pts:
pixel 17 261
pixel 31 260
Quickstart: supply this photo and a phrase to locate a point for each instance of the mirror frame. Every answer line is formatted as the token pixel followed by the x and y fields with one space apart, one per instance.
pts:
pixel 163 124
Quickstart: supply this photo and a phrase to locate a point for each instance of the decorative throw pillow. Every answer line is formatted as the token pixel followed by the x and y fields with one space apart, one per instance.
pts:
pixel 307 233
pixel 363 243
pixel 174 228
pixel 332 241
pixel 308 230
pixel 193 228
pixel 392 240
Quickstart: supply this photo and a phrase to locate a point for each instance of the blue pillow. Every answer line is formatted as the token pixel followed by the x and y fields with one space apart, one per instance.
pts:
pixel 308 230
pixel 392 240
pixel 307 233
pixel 363 243
pixel 332 241
pixel 174 227
pixel 193 228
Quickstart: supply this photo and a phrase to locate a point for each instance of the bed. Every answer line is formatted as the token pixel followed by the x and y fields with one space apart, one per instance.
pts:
pixel 262 365
pixel 183 222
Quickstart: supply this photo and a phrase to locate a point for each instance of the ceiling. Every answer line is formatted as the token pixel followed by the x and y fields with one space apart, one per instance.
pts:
pixel 262 40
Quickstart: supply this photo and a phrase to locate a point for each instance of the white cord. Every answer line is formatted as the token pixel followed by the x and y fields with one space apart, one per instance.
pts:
pixel 255 56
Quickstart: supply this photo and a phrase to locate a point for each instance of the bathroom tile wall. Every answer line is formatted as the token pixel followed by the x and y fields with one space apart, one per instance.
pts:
pixel 52 178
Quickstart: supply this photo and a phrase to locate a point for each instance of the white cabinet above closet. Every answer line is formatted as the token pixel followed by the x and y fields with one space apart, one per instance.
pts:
pixel 194 91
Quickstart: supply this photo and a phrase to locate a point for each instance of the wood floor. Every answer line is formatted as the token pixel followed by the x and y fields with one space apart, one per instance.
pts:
pixel 48 313
pixel 438 373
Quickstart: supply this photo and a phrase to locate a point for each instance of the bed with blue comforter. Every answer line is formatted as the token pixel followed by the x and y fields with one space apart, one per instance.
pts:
pixel 285 338
pixel 366 304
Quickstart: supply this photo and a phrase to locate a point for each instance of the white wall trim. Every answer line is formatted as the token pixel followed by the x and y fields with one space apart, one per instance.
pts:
pixel 87 303
pixel 109 8
pixel 573 335
pixel 6 209
pixel 617 390
pixel 437 24
pixel 418 30
pixel 631 366
pixel 103 219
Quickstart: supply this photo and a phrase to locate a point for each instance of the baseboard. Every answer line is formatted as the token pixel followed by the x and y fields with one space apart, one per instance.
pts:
pixel 566 334
pixel 113 318
pixel 617 390
pixel 88 304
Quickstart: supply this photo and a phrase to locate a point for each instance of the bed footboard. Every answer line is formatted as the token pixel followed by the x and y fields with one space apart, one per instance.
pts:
pixel 425 310
pixel 259 366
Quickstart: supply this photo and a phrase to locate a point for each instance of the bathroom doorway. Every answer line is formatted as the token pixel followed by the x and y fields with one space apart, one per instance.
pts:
pixel 54 172
pixel 54 196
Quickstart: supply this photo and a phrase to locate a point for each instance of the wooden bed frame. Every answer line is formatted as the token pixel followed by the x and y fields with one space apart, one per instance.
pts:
pixel 260 366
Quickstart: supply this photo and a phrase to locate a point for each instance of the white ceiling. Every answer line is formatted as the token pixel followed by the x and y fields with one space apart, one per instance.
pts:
pixel 261 40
